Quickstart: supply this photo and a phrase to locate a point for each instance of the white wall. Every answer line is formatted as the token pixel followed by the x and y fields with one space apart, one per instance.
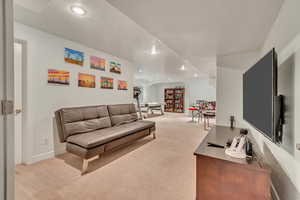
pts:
pixel 46 51
pixel 287 155
pixel 155 92
pixel 285 37
pixel 195 89
pixel 200 89
pixel 229 96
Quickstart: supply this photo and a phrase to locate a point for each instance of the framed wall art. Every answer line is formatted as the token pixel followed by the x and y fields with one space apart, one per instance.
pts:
pixel 97 63
pixel 74 57
pixel 107 83
pixel 86 80
pixel 58 77
pixel 122 85
pixel 115 67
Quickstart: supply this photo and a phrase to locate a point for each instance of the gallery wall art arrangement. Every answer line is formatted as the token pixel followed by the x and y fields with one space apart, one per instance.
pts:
pixel 122 85
pixel 107 83
pixel 76 57
pixel 58 77
pixel 86 80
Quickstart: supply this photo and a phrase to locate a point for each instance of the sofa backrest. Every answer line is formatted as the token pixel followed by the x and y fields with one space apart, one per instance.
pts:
pixel 71 121
pixel 121 113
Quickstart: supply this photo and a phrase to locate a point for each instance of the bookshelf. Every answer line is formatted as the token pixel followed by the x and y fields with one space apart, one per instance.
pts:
pixel 169 100
pixel 174 100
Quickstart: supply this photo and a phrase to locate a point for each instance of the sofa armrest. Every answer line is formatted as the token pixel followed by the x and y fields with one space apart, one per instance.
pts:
pixel 59 126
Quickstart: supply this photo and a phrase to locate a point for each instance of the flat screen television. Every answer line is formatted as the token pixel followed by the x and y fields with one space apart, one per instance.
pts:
pixel 260 100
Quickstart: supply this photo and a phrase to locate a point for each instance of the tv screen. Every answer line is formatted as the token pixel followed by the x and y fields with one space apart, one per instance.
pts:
pixel 259 91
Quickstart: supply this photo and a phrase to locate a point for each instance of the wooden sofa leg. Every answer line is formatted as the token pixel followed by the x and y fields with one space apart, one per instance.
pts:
pixel 85 165
pixel 154 135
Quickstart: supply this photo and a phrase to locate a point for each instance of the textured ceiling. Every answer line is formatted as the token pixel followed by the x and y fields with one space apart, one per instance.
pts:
pixel 189 32
pixel 201 29
pixel 33 5
pixel 107 29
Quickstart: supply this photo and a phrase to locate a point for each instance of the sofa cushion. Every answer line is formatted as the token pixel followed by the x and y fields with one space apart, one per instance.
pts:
pixel 84 119
pixel 99 137
pixel 124 140
pixel 84 152
pixel 122 113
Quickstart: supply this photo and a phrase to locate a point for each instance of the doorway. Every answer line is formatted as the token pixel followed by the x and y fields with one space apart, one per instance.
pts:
pixel 22 151
pixel 18 66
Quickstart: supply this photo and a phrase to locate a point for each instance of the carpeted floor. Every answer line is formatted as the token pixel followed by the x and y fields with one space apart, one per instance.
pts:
pixel 160 169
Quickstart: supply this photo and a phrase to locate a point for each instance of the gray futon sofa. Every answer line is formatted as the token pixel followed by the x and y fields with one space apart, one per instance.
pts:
pixel 92 130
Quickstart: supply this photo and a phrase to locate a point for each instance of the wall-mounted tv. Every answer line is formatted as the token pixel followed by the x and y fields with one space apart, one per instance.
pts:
pixel 260 101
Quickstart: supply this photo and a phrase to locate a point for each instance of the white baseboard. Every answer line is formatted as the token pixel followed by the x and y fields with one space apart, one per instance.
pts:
pixel 274 193
pixel 42 156
pixel 60 150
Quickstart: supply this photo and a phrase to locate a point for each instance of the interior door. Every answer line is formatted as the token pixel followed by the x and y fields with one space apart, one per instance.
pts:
pixel 6 96
pixel 18 101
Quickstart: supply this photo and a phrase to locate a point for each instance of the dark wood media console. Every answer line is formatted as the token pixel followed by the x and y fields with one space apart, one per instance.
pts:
pixel 219 176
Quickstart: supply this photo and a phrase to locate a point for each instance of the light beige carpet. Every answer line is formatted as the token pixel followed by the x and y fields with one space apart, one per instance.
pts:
pixel 160 169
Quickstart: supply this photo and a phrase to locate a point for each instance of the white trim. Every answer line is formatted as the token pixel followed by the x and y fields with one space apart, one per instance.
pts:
pixel 47 155
pixel 42 156
pixel 290 49
pixel 275 195
pixel 2 96
pixel 27 136
pixel 7 40
pixel 60 150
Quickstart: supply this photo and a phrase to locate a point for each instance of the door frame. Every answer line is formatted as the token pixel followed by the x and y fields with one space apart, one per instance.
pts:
pixel 2 96
pixel 7 93
pixel 26 136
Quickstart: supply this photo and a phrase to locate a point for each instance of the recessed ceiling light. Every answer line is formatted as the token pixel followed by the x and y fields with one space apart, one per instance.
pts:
pixel 78 10
pixel 195 75
pixel 182 68
pixel 153 50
